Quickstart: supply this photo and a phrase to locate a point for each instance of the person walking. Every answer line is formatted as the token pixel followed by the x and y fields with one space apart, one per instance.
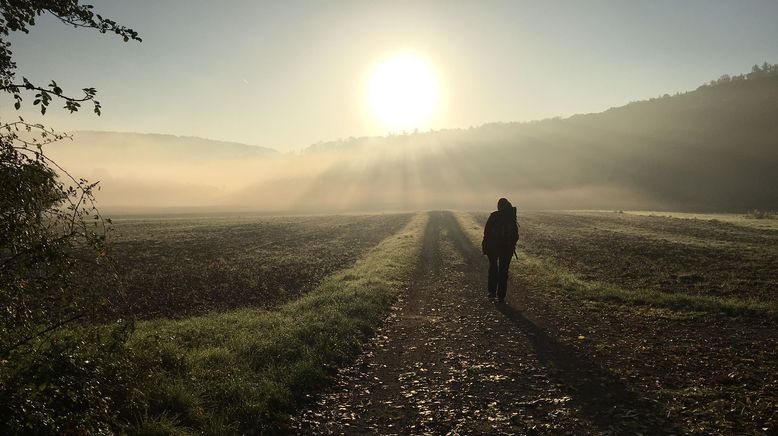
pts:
pixel 501 234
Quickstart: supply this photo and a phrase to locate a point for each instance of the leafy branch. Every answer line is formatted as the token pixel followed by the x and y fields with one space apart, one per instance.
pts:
pixel 19 15
pixel 44 96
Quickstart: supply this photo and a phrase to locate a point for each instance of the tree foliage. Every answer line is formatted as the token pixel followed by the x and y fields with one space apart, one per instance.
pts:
pixel 757 71
pixel 19 16
pixel 59 369
pixel 51 236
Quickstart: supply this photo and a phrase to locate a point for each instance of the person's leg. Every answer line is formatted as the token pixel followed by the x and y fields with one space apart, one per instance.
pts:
pixel 493 270
pixel 502 278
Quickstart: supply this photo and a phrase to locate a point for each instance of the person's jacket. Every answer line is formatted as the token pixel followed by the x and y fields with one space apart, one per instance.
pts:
pixel 501 233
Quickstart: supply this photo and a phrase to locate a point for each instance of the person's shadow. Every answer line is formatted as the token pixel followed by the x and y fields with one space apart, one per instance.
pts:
pixel 600 395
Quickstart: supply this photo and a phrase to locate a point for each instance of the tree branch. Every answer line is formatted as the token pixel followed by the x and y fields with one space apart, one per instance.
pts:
pixel 15 87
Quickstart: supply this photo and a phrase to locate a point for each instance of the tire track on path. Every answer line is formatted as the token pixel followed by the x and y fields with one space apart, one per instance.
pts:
pixel 449 361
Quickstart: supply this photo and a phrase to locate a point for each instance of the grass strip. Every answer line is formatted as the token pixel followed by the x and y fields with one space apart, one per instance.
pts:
pixel 553 276
pixel 244 371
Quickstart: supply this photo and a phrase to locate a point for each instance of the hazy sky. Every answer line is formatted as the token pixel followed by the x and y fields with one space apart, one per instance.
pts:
pixel 286 74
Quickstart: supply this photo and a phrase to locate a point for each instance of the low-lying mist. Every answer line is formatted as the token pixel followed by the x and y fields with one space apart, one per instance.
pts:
pixel 712 149
pixel 390 174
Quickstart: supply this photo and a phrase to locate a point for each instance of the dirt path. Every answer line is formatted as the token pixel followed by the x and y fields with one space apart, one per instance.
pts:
pixel 450 361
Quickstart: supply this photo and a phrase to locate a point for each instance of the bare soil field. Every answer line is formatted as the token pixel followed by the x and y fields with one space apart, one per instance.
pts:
pixel 675 255
pixel 178 268
pixel 561 357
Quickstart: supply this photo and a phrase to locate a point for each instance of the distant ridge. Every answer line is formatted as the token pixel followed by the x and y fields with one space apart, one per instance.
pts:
pixel 183 147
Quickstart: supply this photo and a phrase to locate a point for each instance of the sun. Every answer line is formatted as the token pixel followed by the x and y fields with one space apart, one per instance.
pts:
pixel 403 92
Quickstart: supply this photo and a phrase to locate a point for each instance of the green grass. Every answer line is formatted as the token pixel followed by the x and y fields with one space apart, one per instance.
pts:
pixel 599 291
pixel 761 215
pixel 746 220
pixel 555 277
pixel 245 371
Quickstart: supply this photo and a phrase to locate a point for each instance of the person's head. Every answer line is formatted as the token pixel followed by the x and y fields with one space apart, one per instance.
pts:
pixel 503 204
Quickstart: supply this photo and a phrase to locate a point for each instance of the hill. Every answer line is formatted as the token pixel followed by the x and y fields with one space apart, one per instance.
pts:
pixel 153 172
pixel 111 146
pixel 714 148
pixel 711 149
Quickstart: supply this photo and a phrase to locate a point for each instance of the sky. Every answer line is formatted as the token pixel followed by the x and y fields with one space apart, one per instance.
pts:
pixel 289 74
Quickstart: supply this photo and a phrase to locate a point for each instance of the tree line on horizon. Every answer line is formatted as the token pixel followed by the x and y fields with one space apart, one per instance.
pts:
pixel 757 71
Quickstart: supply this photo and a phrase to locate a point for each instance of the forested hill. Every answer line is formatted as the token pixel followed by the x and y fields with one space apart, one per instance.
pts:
pixel 714 149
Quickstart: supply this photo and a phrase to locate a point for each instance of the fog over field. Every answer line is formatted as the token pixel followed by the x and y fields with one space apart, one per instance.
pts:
pixel 711 149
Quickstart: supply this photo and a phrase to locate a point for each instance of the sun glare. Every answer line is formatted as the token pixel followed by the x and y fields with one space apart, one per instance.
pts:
pixel 403 92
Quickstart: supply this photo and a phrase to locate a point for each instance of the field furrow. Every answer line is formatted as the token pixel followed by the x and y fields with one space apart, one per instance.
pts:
pixel 674 256
pixel 183 267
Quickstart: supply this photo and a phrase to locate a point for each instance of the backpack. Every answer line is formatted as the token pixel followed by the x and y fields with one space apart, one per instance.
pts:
pixel 505 230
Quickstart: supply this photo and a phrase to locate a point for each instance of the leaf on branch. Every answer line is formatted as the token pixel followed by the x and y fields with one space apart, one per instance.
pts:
pixel 54 88
pixel 72 106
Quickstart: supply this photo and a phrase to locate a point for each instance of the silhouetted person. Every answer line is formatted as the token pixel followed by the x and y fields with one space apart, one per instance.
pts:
pixel 500 237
